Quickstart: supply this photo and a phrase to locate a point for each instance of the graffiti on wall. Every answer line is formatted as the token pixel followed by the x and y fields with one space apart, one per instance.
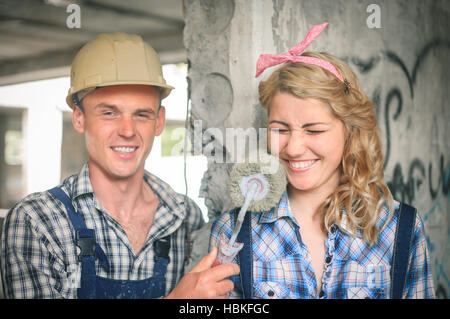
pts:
pixel 412 175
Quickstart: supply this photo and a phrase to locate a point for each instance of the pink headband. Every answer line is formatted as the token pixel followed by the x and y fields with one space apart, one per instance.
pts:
pixel 268 60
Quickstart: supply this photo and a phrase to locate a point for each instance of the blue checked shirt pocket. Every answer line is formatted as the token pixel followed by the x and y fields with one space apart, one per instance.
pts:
pixel 367 282
pixel 276 279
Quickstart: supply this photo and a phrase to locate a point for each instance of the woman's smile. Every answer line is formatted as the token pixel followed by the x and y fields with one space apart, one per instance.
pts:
pixel 302 166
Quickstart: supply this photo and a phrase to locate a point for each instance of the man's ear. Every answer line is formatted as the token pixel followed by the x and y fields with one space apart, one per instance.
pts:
pixel 78 119
pixel 160 120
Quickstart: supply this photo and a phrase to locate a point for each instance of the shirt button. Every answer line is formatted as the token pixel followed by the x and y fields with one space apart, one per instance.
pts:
pixel 321 294
pixel 328 259
pixel 270 293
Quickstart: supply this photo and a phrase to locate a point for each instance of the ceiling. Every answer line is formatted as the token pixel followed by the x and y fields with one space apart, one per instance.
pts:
pixel 36 42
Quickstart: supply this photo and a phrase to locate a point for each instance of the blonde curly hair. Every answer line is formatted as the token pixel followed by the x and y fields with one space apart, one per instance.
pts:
pixel 361 190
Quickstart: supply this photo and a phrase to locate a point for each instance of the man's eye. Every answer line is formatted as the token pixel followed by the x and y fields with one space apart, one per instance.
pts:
pixel 146 115
pixel 107 113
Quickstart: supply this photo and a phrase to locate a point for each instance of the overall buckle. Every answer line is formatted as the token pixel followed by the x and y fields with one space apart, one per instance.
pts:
pixel 162 248
pixel 86 243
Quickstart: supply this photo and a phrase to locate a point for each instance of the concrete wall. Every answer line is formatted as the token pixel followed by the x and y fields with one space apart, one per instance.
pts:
pixel 404 67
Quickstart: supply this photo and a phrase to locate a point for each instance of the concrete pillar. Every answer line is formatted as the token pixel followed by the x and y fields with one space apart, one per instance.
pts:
pixel 400 51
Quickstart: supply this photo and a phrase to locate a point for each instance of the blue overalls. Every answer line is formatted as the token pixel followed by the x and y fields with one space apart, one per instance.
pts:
pixel 93 286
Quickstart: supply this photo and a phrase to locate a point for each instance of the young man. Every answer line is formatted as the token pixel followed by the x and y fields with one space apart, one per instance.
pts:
pixel 113 230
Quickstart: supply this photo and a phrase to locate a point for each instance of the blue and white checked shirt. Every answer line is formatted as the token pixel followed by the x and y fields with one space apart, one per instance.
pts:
pixel 282 265
pixel 39 253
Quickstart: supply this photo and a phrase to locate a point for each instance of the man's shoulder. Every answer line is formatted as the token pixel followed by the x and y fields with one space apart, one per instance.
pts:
pixel 39 207
pixel 29 215
pixel 31 204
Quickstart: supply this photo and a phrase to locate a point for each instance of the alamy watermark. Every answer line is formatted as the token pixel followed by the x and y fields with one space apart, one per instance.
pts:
pixel 73 20
pixel 229 145
pixel 374 19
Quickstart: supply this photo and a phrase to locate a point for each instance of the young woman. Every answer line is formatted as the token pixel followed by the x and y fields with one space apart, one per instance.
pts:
pixel 332 233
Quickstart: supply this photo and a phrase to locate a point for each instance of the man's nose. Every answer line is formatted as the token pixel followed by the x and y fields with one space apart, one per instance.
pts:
pixel 127 127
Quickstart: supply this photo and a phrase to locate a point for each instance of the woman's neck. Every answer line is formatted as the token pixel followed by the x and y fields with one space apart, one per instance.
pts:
pixel 305 203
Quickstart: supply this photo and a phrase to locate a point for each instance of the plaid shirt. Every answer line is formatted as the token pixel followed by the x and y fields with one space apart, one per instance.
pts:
pixel 38 242
pixel 282 265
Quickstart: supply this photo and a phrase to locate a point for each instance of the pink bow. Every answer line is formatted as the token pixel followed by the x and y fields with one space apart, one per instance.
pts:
pixel 268 60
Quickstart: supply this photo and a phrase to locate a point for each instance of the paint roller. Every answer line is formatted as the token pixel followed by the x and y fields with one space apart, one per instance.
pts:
pixel 256 186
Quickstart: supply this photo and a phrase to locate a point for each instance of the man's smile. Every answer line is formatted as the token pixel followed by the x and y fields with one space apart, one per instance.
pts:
pixel 124 149
pixel 125 152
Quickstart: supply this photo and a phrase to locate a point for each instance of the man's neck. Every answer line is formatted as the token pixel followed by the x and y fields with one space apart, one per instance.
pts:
pixel 119 196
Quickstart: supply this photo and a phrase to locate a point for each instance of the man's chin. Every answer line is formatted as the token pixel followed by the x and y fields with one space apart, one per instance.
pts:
pixel 115 170
pixel 122 174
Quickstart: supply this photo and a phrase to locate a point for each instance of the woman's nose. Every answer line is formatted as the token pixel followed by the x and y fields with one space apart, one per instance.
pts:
pixel 296 144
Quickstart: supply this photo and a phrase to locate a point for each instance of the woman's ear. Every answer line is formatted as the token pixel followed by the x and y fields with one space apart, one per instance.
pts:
pixel 78 119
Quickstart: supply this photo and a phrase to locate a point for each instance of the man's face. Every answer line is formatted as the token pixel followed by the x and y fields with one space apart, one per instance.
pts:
pixel 120 123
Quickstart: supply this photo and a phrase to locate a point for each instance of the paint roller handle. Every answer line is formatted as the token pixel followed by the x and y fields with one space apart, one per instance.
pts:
pixel 249 196
pixel 229 249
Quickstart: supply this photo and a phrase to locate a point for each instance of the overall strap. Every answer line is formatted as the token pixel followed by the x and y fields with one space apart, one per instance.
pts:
pixel 245 256
pixel 161 248
pixel 76 219
pixel 402 249
pixel 84 237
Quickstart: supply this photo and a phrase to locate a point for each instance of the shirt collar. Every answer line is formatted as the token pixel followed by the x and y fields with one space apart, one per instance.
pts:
pixel 283 210
pixel 382 219
pixel 167 196
pixel 279 211
pixel 82 183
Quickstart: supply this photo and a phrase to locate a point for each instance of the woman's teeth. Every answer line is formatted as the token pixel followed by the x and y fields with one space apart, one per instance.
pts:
pixel 303 164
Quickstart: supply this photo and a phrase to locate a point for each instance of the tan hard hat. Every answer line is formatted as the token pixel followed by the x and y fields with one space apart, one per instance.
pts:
pixel 114 59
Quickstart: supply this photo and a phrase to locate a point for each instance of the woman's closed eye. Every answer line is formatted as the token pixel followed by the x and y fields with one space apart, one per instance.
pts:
pixel 277 130
pixel 315 131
